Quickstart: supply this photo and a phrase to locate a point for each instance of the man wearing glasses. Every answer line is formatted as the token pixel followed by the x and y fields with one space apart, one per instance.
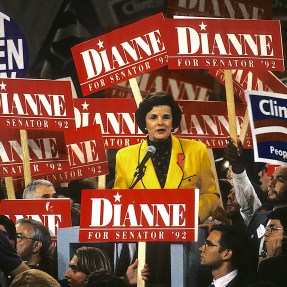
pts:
pixel 33 245
pixel 273 267
pixel 223 252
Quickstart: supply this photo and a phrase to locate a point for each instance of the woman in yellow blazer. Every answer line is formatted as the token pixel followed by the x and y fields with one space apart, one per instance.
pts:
pixel 176 163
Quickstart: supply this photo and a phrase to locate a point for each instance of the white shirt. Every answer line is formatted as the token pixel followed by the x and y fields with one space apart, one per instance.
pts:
pixel 245 196
pixel 223 281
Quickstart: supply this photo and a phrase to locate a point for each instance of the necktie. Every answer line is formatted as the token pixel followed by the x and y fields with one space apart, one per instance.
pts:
pixel 211 285
pixel 123 260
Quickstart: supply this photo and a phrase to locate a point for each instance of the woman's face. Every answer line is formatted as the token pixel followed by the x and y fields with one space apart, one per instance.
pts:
pixel 159 123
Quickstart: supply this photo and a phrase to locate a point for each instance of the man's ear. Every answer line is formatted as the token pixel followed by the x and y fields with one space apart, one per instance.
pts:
pixel 227 254
pixel 37 246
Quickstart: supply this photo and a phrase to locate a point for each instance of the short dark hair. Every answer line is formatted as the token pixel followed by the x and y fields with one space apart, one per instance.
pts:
pixel 233 238
pixel 153 100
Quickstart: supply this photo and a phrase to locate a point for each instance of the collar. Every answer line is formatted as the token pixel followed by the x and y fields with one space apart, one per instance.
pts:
pixel 224 280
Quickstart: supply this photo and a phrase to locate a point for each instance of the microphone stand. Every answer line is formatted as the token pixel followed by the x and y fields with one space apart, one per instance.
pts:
pixel 137 177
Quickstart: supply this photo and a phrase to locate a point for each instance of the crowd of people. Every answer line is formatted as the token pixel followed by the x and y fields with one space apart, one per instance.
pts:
pixel 244 242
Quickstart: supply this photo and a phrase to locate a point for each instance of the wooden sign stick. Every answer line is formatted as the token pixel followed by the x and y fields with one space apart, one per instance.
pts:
pixel 230 105
pixel 141 245
pixel 26 157
pixel 10 187
pixel 244 127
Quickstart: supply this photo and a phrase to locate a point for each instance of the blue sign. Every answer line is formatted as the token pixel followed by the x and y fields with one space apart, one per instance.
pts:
pixel 14 55
pixel 268 123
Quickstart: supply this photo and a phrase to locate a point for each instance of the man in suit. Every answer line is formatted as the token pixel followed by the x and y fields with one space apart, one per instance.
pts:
pixel 255 213
pixel 273 267
pixel 223 252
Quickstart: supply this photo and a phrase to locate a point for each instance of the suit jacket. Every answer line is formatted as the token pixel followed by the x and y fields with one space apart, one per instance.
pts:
pixel 273 270
pixel 194 171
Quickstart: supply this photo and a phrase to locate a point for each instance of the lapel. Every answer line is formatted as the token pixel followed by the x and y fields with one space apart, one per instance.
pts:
pixel 174 175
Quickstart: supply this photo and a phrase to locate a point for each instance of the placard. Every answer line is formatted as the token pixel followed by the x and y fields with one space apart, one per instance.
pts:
pixel 251 80
pixel 86 157
pixel 53 213
pixel 206 122
pixel 120 55
pixel 36 104
pixel 205 43
pixel 14 55
pixel 243 9
pixel 47 150
pixel 139 215
pixel 268 114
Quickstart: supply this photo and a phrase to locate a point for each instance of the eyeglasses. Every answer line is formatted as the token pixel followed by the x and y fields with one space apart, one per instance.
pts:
pixel 271 228
pixel 208 243
pixel 21 236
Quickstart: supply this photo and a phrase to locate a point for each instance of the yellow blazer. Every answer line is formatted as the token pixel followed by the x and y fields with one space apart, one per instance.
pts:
pixel 194 172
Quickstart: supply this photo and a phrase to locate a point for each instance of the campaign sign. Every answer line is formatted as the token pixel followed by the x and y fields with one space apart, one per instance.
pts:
pixel 205 121
pixel 139 215
pixel 204 43
pixel 268 114
pixel 251 80
pixel 36 104
pixel 47 151
pixel 14 54
pixel 53 213
pixel 120 55
pixel 190 85
pixel 243 9
pixel 86 154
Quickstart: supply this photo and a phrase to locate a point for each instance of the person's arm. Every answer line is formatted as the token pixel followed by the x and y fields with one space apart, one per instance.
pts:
pixel 22 267
pixel 244 190
pixel 10 262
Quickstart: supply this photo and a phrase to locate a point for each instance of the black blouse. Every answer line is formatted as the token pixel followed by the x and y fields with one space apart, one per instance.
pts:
pixel 161 158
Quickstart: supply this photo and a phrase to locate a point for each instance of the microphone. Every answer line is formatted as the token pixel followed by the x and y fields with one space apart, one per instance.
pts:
pixel 149 152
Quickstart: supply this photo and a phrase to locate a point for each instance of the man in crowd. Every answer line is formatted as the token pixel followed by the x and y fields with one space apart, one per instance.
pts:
pixel 273 267
pixel 223 252
pixel 255 212
pixel 91 259
pixel 39 188
pixel 33 245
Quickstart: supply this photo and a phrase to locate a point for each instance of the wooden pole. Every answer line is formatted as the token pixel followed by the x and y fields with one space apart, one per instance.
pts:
pixel 26 157
pixel 10 187
pixel 141 245
pixel 244 127
pixel 230 105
